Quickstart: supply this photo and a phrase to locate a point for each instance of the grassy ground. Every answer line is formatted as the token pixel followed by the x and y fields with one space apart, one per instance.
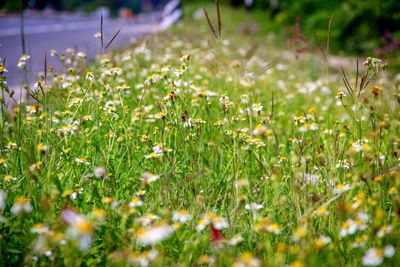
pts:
pixel 188 150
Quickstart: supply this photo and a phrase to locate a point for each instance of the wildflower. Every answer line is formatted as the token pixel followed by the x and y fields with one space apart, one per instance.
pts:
pixel 39 229
pixel 376 90
pixel 3 198
pixel 23 61
pixel 202 224
pixel 246 260
pixel 9 178
pixel 219 222
pixel 349 227
pixel 300 232
pixel 259 130
pixel 340 95
pixel 2 69
pixel 244 99
pixel 375 256
pixel 80 228
pixel 282 159
pixel 253 207
pixel 89 76
pixel 135 202
pixel 322 211
pixel 321 241
pixel 235 240
pixel 36 166
pixel 299 120
pixel 225 102
pixel 147 219
pixel 274 228
pixel 41 148
pixel 99 172
pixel 82 160
pixel 98 214
pixel 341 188
pixel 21 205
pixel 148 178
pixel 3 162
pixel 257 108
pixel 153 234
pixel 143 258
pixel 206 260
pixel 360 145
pixel 384 230
pixel 359 242
pixel 157 152
pixel 181 216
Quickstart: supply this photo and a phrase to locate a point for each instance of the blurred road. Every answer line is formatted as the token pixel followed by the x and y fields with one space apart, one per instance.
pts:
pixel 62 31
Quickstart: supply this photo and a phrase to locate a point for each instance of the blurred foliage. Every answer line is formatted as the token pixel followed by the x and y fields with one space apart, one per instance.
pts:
pixel 82 5
pixel 357 26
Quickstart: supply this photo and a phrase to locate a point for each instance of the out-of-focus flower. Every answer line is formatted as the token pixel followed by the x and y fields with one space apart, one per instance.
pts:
pixel 181 216
pixel 80 228
pixel 21 205
pixel 375 256
pixel 153 234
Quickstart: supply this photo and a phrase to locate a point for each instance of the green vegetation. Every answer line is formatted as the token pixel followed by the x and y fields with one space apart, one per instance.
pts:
pixel 192 150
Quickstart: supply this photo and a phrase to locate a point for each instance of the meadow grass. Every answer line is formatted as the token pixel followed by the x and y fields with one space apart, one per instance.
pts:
pixel 190 150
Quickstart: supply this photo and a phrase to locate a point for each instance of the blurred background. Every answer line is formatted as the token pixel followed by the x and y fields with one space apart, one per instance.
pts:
pixel 358 26
pixel 344 27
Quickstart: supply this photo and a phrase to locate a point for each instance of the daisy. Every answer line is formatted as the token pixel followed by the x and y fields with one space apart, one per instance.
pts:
pixel 375 256
pixel 148 177
pixel 340 188
pixel 181 216
pixel 21 205
pixel 153 234
pixel 135 202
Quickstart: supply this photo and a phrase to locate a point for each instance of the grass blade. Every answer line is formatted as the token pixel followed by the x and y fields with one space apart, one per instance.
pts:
pixel 219 18
pixel 112 39
pixel 320 46
pixel 346 82
pixel 210 25
pixel 45 67
pixel 101 31
pixel 329 33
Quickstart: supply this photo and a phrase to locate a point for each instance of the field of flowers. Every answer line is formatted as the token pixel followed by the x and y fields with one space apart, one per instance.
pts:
pixel 189 150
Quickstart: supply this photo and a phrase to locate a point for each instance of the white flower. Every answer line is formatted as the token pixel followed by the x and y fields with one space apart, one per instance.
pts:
pixel 154 234
pixel 149 177
pixel 254 207
pixel 82 160
pixel 349 227
pixel 21 205
pixel 3 198
pixel 147 219
pixel 219 222
pixel 144 258
pixel 99 172
pixel 181 216
pixel 39 229
pixel 375 256
pixel 389 251
pixel 340 188
pixel 80 228
pixel 135 202
pixel 257 107
pixel 235 240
